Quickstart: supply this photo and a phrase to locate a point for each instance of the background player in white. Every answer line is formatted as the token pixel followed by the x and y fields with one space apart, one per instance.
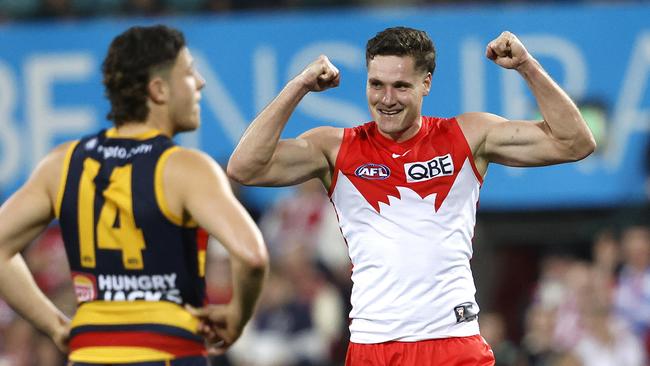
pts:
pixel 400 63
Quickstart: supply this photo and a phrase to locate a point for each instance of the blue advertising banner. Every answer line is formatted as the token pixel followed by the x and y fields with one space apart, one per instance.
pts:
pixel 50 85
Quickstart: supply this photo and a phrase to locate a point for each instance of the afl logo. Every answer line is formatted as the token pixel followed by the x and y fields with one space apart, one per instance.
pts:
pixel 372 171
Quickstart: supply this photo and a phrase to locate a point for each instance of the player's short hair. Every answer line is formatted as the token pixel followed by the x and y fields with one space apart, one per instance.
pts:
pixel 403 41
pixel 133 57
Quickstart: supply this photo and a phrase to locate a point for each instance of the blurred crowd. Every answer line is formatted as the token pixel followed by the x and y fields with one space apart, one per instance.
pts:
pixel 580 312
pixel 584 312
pixel 71 9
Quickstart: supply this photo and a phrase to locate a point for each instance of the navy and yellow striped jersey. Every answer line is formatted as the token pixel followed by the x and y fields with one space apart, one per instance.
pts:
pixel 134 264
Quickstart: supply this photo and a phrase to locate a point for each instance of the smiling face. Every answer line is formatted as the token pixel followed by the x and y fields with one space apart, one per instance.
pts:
pixel 185 84
pixel 395 91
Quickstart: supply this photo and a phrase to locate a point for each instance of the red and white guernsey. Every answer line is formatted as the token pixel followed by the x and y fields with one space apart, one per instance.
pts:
pixel 407 211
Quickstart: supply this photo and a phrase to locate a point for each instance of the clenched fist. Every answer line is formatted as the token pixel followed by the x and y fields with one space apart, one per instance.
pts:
pixel 320 75
pixel 507 51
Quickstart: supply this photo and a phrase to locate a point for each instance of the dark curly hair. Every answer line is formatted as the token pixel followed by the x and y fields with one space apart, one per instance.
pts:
pixel 132 58
pixel 403 41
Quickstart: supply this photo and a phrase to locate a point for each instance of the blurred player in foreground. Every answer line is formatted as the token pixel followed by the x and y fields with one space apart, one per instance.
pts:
pixel 129 203
pixel 405 188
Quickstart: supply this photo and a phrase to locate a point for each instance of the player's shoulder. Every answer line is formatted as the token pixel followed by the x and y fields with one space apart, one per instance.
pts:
pixel 323 132
pixel 58 155
pixel 326 138
pixel 52 167
pixel 187 164
pixel 478 119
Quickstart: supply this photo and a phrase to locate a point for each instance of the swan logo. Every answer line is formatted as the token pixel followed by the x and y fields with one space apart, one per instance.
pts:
pixel 372 171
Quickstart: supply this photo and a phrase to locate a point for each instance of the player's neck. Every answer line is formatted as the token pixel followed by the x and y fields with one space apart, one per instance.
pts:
pixel 138 128
pixel 406 134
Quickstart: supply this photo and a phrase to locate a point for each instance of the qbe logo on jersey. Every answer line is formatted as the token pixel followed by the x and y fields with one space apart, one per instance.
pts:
pixel 421 171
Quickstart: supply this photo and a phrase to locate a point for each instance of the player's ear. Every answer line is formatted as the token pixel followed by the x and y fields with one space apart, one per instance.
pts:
pixel 158 90
pixel 427 83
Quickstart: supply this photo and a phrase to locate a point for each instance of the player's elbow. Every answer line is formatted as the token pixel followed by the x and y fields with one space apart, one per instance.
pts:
pixel 581 147
pixel 257 261
pixel 586 146
pixel 239 171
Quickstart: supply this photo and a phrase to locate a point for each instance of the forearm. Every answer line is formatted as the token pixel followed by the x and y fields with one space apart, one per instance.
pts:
pixel 260 140
pixel 247 286
pixel 558 110
pixel 18 289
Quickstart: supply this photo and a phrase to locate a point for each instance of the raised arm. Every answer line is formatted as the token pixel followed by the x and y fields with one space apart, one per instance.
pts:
pixel 261 158
pixel 22 218
pixel 194 184
pixel 561 136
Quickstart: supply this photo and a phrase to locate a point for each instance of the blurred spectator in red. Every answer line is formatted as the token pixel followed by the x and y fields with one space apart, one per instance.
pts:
pixel 568 323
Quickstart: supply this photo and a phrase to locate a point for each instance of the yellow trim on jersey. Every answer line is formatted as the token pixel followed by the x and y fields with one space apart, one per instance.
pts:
pixel 160 193
pixel 112 133
pixel 201 256
pixel 135 312
pixel 64 178
pixel 118 355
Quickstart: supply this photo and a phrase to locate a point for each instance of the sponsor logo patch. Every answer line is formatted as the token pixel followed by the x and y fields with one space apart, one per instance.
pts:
pixel 85 286
pixel 90 144
pixel 421 171
pixel 464 312
pixel 372 171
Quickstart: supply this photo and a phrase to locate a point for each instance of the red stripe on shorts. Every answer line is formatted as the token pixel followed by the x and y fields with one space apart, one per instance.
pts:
pixel 179 347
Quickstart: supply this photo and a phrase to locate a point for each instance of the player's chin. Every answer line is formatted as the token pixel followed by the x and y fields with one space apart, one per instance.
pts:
pixel 189 125
pixel 389 124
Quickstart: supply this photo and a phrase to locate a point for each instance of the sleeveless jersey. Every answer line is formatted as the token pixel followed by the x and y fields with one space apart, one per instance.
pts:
pixel 133 263
pixel 407 211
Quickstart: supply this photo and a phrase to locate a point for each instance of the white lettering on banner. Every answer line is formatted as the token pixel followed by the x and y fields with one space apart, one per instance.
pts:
pixel 629 115
pixel 324 107
pixel 9 138
pixel 265 67
pixel 45 121
pixel 472 75
pixel 222 105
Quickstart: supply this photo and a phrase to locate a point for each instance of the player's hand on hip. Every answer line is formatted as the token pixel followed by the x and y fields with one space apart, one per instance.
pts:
pixel 220 326
pixel 507 51
pixel 320 75
pixel 61 334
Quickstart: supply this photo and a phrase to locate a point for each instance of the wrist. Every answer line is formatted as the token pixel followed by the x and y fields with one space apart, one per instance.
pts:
pixel 299 84
pixel 528 65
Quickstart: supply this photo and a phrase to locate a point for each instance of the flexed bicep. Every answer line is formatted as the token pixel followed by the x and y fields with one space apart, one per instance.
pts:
pixel 515 142
pixel 296 160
